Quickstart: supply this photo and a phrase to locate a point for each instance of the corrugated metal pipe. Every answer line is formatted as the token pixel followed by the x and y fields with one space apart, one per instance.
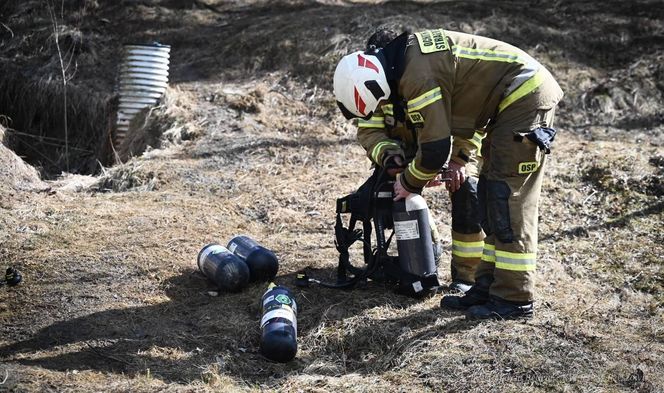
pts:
pixel 142 82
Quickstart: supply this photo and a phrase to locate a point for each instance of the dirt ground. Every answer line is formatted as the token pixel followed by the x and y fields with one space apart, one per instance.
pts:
pixel 249 141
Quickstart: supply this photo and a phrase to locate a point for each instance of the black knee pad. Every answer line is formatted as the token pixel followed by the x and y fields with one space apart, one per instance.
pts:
pixel 498 210
pixel 465 208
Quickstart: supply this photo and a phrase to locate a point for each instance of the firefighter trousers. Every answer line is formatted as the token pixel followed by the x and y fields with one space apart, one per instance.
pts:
pixel 509 190
pixel 467 234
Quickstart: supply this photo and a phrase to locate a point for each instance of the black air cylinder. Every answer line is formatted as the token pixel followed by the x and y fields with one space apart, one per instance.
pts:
pixel 225 269
pixel 413 233
pixel 263 263
pixel 13 277
pixel 279 324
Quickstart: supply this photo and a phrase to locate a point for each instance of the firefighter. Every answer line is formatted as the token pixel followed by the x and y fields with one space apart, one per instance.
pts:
pixel 467 235
pixel 442 81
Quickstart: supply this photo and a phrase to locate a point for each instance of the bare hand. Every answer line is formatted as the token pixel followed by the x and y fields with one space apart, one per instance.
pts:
pixel 399 191
pixel 457 174
pixel 436 181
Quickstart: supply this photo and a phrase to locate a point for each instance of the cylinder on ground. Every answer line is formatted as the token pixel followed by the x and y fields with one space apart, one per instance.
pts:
pixel 228 272
pixel 263 263
pixel 279 324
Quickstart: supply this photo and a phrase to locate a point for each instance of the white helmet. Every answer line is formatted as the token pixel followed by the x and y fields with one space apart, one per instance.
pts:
pixel 359 84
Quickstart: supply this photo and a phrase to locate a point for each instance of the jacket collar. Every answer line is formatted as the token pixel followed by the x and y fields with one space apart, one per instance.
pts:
pixel 393 59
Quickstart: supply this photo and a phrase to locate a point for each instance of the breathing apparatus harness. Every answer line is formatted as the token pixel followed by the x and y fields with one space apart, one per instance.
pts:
pixel 372 206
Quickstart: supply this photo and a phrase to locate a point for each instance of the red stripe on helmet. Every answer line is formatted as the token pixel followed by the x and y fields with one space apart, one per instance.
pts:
pixel 359 102
pixel 363 62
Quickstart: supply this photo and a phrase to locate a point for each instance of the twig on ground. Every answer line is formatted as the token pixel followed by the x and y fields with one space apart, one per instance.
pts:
pixel 588 197
pixel 8 29
pixel 589 308
pixel 207 6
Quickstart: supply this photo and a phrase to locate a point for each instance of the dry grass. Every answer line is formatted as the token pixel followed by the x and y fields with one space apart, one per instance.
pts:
pixel 169 123
pixel 112 300
pixel 35 109
pixel 16 175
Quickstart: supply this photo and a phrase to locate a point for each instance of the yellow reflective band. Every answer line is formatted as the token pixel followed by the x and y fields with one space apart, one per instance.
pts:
pixel 467 249
pixel 377 150
pixel 515 267
pixel 374 122
pixel 522 262
pixel 525 88
pixel 477 139
pixel 418 174
pixel 460 243
pixel 515 255
pixel 425 99
pixel 388 109
pixel 489 253
pixel 486 54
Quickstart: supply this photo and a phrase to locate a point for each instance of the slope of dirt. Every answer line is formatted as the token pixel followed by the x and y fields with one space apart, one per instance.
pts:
pixel 16 175
pixel 111 300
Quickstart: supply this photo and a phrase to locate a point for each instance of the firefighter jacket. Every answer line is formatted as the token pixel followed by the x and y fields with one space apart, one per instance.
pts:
pixel 402 139
pixel 446 83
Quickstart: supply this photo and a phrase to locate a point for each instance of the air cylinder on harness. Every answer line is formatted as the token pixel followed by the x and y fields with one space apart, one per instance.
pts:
pixel 279 324
pixel 225 269
pixel 413 233
pixel 263 263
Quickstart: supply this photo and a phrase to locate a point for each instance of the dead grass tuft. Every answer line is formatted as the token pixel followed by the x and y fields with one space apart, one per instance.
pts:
pixel 609 177
pixel 250 102
pixel 126 177
pixel 169 123
pixel 15 174
pixel 630 98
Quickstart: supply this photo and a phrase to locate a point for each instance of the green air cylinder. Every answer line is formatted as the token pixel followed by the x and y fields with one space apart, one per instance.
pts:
pixel 222 267
pixel 413 233
pixel 263 263
pixel 279 324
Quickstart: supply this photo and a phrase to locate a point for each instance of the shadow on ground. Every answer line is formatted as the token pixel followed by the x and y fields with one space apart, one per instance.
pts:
pixel 174 338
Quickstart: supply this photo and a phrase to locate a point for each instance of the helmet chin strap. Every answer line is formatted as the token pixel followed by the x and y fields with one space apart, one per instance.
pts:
pixel 347 114
pixel 350 115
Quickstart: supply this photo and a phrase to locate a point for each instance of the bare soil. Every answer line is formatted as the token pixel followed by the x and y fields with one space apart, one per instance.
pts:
pixel 249 141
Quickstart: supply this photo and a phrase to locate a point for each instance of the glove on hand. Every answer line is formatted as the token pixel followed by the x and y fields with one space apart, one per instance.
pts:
pixel 394 164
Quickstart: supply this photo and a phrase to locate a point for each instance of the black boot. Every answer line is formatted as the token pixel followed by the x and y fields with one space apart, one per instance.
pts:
pixel 476 295
pixel 497 308
pixel 473 297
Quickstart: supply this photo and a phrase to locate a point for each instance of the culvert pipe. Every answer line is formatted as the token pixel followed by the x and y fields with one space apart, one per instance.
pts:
pixel 142 81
